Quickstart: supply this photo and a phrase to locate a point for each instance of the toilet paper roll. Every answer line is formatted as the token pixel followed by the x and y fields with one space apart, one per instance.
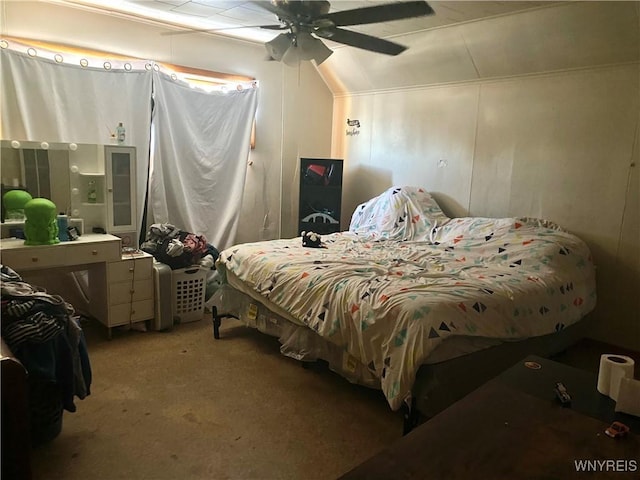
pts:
pixel 629 397
pixel 613 368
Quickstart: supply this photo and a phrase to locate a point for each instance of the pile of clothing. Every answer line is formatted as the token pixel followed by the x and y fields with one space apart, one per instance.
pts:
pixel 44 333
pixel 177 248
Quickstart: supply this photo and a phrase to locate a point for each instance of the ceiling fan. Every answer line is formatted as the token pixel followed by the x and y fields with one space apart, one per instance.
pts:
pixel 308 21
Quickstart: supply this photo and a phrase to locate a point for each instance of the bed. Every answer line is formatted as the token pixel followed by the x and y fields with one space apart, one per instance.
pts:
pixel 420 305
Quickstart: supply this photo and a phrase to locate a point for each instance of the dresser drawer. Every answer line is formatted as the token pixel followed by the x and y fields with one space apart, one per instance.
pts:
pixel 124 314
pixel 29 258
pixel 130 269
pixel 95 252
pixel 121 292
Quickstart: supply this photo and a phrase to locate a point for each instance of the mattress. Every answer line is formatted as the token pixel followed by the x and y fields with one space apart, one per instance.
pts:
pixel 405 280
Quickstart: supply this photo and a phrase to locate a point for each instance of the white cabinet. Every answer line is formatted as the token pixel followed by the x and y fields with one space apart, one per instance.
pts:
pixel 130 289
pixel 120 195
pixel 127 293
pixel 103 190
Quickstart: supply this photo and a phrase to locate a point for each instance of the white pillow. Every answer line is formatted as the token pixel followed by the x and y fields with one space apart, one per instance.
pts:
pixel 400 213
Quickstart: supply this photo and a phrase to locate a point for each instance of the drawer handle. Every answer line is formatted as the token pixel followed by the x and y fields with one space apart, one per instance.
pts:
pixel 132 291
pixel 94 252
pixel 34 259
pixel 131 269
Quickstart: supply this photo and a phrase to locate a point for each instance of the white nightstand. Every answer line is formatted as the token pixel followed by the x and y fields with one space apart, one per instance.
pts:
pixel 130 292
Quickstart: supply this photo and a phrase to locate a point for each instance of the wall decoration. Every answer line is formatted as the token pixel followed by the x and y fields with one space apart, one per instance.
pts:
pixel 354 127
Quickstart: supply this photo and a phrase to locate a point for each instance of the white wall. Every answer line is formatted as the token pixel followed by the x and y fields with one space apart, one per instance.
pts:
pixel 285 94
pixel 560 143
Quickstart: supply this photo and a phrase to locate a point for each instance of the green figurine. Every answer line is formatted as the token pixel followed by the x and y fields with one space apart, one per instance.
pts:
pixel 41 226
pixel 14 202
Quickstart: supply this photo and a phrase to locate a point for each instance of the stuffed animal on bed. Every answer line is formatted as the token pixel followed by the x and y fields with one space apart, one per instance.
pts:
pixel 311 239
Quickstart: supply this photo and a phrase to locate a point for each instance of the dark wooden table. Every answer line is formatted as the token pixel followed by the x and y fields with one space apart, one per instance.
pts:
pixel 513 427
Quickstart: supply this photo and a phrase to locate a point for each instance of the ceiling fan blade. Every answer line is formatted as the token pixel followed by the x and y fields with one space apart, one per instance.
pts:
pixel 379 13
pixel 361 40
pixel 272 27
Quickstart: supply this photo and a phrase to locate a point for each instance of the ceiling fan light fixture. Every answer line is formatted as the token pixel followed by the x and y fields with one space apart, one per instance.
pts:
pixel 292 56
pixel 313 48
pixel 278 47
pixel 292 50
pixel 306 47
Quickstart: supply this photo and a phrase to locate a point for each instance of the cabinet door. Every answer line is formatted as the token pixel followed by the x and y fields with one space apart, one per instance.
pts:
pixel 121 202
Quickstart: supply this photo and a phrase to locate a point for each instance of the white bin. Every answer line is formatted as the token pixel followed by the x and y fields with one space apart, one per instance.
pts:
pixel 189 285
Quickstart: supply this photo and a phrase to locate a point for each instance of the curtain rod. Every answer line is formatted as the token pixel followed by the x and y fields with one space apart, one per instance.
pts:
pixel 198 72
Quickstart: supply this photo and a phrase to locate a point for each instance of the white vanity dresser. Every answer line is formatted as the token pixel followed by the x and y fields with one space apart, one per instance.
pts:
pixel 120 284
pixel 96 186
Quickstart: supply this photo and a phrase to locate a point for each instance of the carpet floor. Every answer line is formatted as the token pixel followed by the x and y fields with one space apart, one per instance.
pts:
pixel 181 405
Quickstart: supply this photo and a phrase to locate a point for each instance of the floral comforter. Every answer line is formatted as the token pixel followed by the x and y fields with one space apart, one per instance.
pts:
pixel 404 278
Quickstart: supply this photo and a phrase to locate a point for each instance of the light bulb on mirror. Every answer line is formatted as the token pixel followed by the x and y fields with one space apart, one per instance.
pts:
pixel 44 145
pixel 74 169
pixel 15 144
pixel 75 191
pixel 73 146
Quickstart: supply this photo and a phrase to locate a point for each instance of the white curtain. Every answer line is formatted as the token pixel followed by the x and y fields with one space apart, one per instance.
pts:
pixel 59 102
pixel 200 148
pixel 198 144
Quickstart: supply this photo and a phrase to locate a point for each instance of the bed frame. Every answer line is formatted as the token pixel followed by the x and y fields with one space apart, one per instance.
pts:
pixel 439 385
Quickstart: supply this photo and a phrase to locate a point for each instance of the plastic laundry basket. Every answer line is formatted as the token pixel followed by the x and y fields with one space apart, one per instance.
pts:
pixel 189 285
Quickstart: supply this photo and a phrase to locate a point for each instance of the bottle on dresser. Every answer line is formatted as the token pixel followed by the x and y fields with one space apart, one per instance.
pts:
pixel 63 224
pixel 120 134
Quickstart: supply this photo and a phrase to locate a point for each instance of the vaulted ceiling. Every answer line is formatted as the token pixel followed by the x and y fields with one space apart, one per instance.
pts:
pixel 558 37
pixel 235 18
pixel 463 40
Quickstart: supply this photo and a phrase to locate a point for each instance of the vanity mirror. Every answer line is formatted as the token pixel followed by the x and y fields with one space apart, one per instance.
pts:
pixel 94 185
pixel 40 168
